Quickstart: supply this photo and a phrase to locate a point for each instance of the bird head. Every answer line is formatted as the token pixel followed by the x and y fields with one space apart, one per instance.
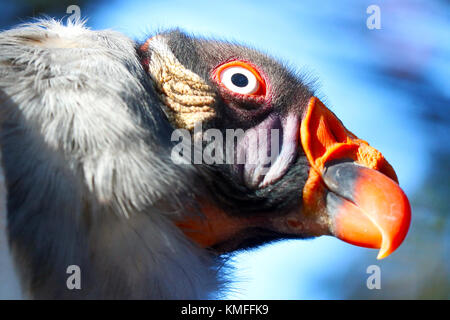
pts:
pixel 284 166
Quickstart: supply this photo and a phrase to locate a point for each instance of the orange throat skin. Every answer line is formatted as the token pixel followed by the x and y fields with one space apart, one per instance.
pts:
pixel 211 227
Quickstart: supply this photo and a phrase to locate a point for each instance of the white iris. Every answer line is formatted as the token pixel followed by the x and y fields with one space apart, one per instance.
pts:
pixel 250 87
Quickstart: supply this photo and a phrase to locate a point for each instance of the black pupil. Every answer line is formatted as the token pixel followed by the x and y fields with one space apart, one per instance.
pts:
pixel 239 80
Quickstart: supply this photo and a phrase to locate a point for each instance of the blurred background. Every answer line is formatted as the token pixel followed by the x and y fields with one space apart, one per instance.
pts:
pixel 391 86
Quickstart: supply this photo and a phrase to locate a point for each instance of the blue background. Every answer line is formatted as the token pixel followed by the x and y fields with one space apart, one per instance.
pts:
pixel 389 86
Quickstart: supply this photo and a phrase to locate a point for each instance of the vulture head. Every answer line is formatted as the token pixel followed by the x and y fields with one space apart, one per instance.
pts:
pixel 144 163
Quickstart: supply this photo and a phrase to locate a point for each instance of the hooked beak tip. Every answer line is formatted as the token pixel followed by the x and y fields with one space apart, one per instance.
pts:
pixel 368 208
pixel 365 205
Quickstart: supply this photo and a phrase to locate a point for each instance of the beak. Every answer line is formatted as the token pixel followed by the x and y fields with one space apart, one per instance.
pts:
pixel 351 184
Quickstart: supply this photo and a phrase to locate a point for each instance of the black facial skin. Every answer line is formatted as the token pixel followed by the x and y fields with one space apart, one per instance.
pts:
pixel 286 93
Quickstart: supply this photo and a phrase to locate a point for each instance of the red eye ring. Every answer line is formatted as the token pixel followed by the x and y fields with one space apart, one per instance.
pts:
pixel 257 83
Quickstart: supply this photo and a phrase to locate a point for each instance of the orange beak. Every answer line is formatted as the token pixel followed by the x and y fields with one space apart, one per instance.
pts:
pixel 352 183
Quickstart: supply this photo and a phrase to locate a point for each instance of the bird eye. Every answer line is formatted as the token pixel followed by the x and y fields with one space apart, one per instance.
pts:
pixel 240 77
pixel 239 80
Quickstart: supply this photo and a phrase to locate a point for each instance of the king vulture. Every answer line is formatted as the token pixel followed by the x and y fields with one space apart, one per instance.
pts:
pixel 100 138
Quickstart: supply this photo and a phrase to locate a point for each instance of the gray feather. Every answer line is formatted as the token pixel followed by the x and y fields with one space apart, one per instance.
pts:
pixel 88 177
